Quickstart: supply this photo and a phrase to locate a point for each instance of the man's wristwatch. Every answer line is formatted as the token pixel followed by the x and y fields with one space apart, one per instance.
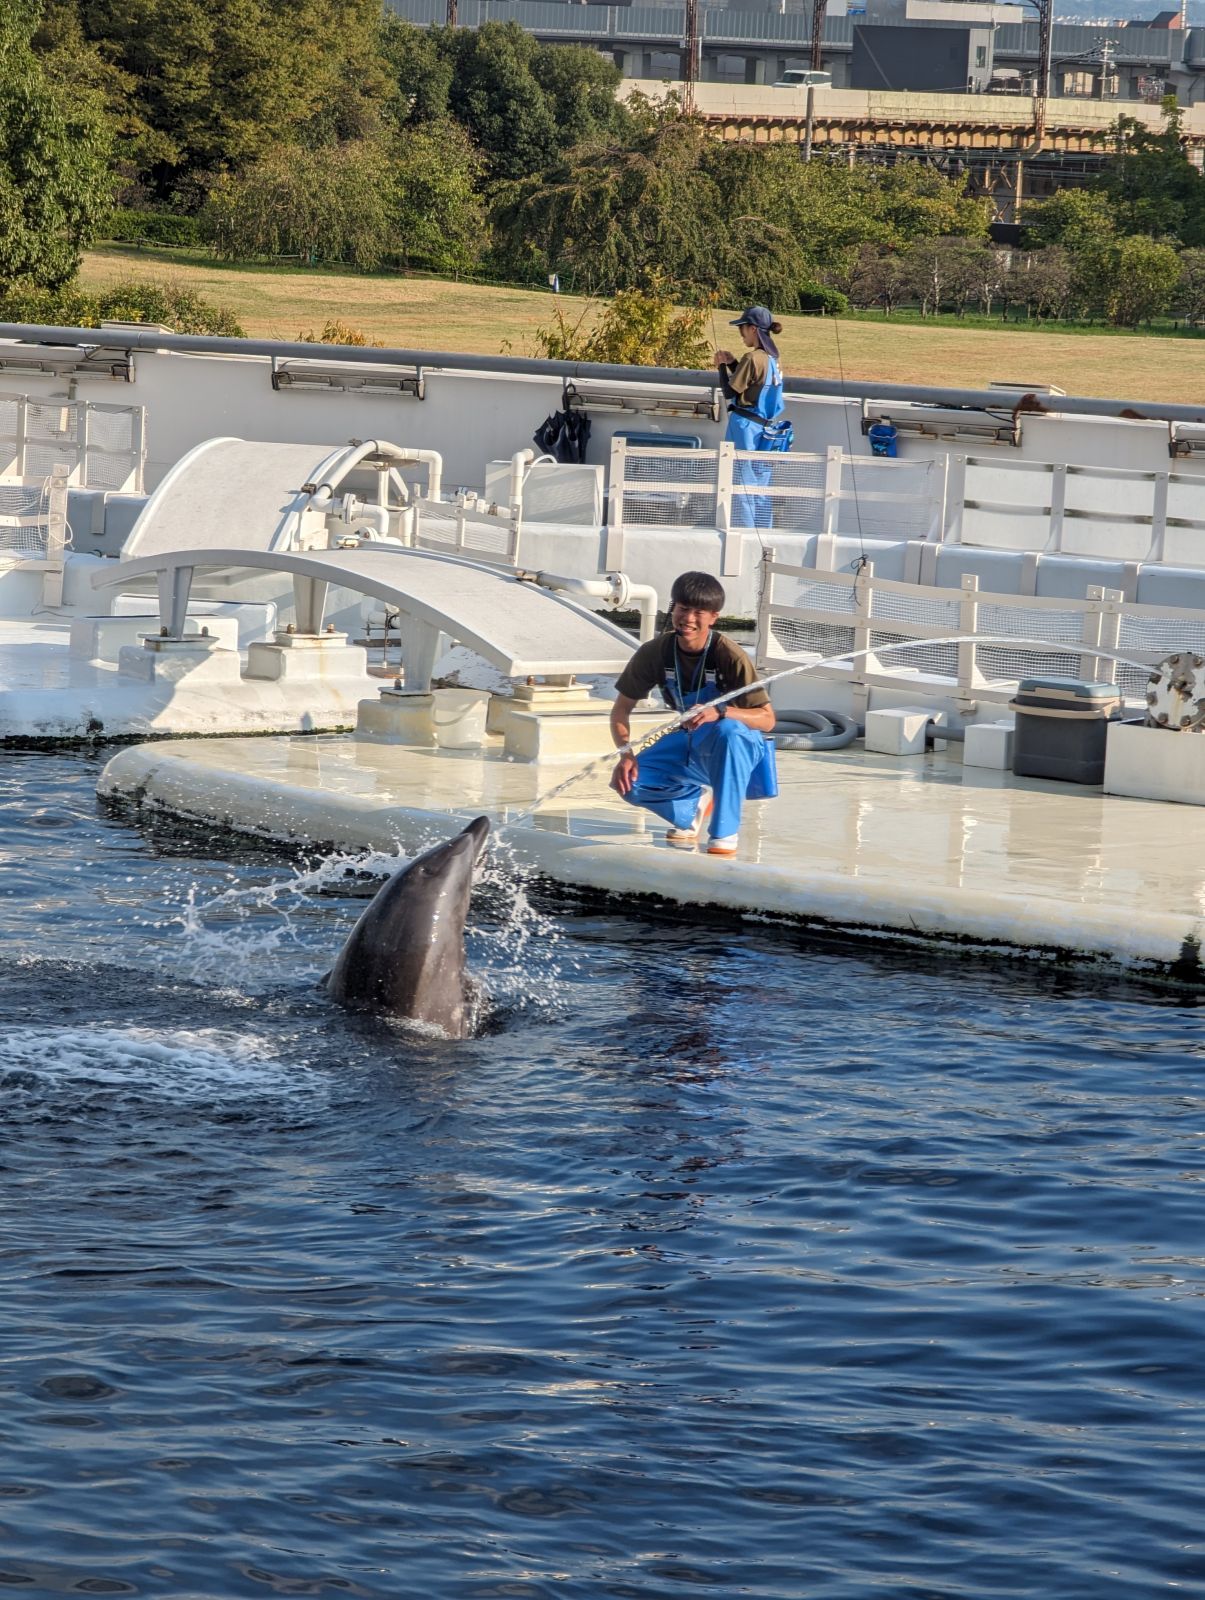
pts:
pixel 721 711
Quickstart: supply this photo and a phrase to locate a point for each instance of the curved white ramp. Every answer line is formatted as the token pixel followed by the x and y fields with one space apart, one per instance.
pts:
pixel 515 625
pixel 224 485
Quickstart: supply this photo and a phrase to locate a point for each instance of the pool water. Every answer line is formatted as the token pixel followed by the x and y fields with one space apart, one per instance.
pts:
pixel 720 1263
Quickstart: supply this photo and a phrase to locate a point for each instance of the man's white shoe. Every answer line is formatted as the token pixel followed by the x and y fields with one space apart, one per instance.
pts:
pixel 725 846
pixel 689 835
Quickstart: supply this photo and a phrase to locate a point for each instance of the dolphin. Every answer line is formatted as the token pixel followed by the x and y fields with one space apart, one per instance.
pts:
pixel 405 956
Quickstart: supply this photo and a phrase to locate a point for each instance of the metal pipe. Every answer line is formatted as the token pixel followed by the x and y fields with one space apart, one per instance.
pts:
pixel 528 366
pixel 616 588
pixel 338 467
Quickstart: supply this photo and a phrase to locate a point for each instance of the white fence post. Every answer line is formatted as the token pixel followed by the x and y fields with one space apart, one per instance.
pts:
pixel 56 535
pixel 968 623
pixel 1158 517
pixel 724 464
pixel 22 433
pixel 1111 603
pixel 1058 506
pixel 833 465
pixel 1090 632
pixel 613 548
pixel 863 612
pixel 955 499
pixel 765 595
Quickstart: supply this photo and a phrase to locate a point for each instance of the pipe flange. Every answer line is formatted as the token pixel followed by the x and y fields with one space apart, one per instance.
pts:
pixel 1175 696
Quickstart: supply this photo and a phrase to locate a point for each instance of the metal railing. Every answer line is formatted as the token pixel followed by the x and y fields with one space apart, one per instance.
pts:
pixel 102 446
pixel 812 614
pixel 33 527
pixel 1116 513
pixel 450 528
pixel 750 491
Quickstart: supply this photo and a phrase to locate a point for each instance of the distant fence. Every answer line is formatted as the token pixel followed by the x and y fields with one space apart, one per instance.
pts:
pixel 754 491
pixel 811 614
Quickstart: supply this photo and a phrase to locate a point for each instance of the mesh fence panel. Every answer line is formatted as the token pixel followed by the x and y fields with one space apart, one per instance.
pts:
pixel 1008 663
pixel 438 528
pixel 1155 637
pixel 940 660
pixel 910 511
pixel 810 594
pixel 920 609
pixel 24 512
pixel 111 430
pixel 778 491
pixel 669 489
pixel 793 638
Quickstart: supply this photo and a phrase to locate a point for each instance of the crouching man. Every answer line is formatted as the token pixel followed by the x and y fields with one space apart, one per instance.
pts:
pixel 701 774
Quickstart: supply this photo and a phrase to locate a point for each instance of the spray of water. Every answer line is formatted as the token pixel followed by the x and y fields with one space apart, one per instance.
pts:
pixel 1047 646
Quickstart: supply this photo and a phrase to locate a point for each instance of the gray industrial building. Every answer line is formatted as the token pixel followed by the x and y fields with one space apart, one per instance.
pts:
pixel 755 41
pixel 926 57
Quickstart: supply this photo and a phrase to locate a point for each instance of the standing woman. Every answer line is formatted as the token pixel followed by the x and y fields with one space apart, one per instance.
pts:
pixel 752 386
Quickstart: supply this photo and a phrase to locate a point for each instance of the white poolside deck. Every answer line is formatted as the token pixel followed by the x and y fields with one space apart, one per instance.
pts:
pixel 916 847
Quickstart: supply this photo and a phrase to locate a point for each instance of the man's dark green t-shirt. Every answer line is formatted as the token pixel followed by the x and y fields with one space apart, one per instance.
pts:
pixel 647 669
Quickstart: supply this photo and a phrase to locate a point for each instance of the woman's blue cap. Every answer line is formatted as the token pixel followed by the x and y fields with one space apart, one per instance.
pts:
pixel 759 317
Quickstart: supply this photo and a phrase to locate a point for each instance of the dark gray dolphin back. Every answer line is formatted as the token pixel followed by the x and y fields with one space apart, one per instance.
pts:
pixel 405 956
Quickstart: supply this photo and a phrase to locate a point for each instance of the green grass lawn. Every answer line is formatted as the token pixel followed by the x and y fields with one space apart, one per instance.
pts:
pixel 411 312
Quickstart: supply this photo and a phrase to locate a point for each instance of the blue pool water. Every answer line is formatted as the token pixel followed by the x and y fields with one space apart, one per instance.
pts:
pixel 722 1264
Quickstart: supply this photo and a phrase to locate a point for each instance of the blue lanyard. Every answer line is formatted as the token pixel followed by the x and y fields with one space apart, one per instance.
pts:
pixel 700 675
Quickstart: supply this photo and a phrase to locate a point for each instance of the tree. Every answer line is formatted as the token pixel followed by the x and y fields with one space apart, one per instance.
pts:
pixel 932 267
pixel 1191 289
pixel 877 278
pixel 495 95
pixel 330 204
pixel 1074 218
pixel 438 219
pixel 1144 277
pixel 223 81
pixel 1152 186
pixel 611 215
pixel 639 327
pixel 1042 281
pixel 55 178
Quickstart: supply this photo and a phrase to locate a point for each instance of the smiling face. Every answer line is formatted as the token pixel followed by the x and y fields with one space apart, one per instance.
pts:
pixel 692 624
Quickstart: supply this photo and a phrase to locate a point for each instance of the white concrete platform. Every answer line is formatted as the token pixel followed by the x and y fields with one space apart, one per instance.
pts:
pixel 48 693
pixel 920 848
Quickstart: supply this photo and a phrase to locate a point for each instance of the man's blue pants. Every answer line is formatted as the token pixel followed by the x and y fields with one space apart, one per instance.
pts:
pixel 673 773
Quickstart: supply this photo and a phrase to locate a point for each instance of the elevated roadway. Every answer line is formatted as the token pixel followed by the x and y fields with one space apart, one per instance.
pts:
pixel 1002 125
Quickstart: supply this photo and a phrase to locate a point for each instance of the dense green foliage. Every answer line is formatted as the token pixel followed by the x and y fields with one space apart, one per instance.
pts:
pixel 164 304
pixel 54 162
pixel 319 130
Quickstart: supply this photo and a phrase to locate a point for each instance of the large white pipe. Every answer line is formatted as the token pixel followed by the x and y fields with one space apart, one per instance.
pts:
pixel 616 588
pixel 335 469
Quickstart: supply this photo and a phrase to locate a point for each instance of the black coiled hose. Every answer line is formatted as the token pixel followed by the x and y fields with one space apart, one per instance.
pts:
pixel 814 730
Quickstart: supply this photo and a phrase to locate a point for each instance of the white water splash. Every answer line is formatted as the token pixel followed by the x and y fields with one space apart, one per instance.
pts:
pixel 180 1066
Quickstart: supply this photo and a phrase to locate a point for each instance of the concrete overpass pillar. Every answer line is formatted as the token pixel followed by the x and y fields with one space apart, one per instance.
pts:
pixel 632 63
pixel 758 65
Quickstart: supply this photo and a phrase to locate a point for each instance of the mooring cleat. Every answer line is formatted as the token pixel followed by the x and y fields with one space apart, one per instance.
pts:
pixel 690 835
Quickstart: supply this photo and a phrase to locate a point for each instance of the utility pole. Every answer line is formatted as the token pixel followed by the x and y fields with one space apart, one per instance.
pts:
pixel 690 67
pixel 818 9
pixel 1041 88
pixel 451 13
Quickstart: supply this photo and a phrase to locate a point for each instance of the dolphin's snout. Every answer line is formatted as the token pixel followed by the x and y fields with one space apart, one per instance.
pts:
pixel 478 831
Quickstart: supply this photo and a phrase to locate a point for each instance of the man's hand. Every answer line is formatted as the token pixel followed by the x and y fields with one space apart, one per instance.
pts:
pixel 698 716
pixel 623 779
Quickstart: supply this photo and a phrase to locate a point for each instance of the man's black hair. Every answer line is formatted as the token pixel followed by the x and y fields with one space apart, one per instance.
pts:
pixel 697 589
